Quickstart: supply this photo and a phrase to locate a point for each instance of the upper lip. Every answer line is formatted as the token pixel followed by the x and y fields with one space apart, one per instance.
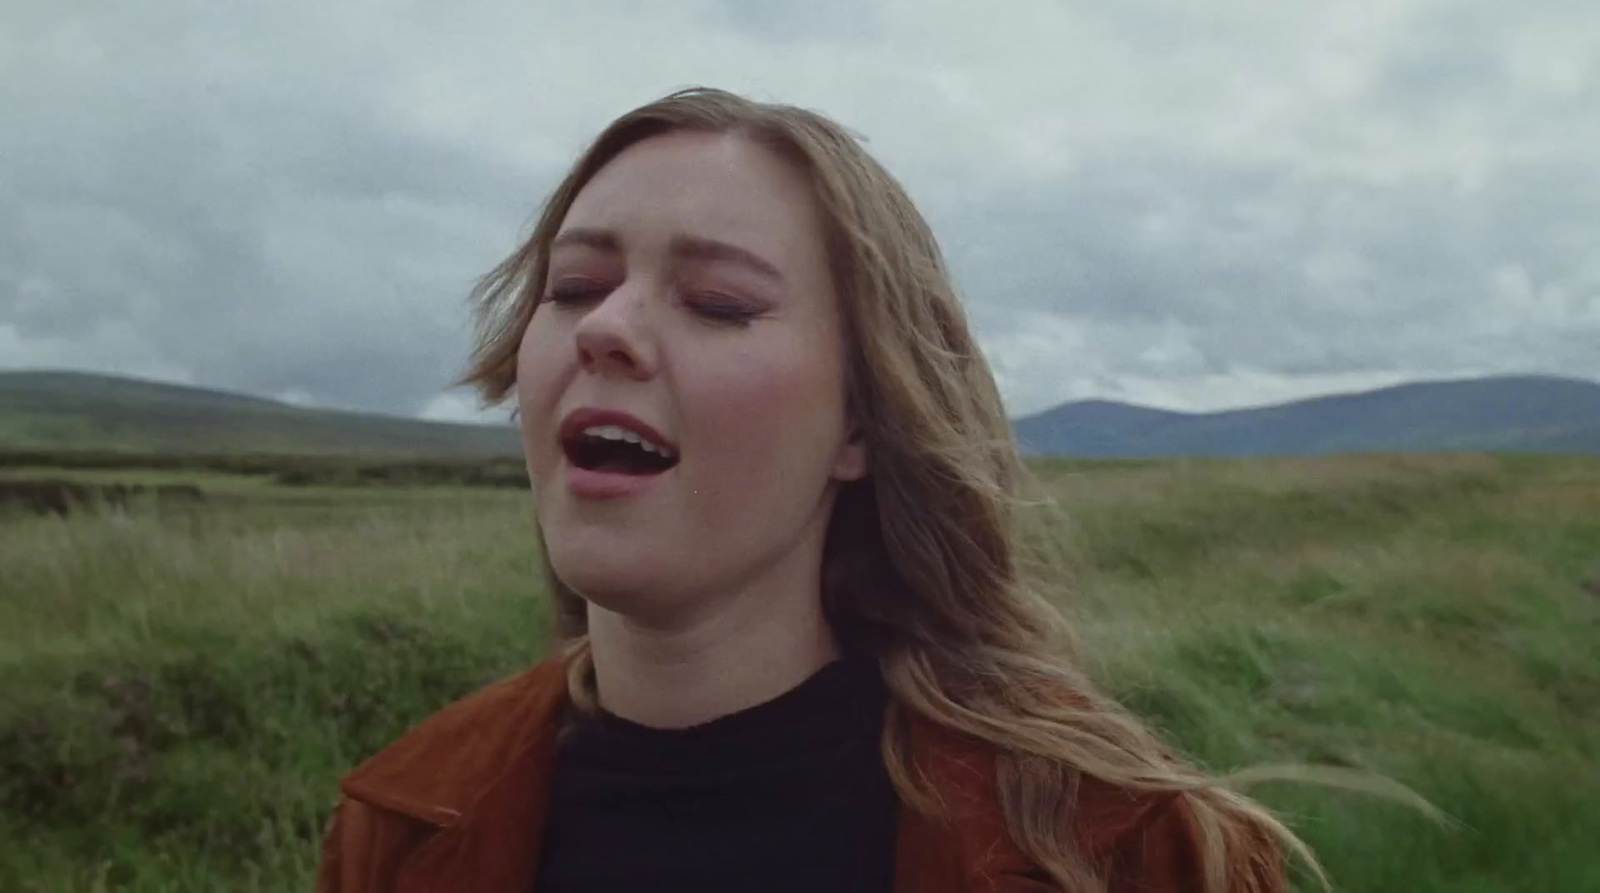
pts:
pixel 583 418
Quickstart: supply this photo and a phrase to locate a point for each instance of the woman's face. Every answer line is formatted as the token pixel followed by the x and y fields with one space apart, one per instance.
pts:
pixel 689 305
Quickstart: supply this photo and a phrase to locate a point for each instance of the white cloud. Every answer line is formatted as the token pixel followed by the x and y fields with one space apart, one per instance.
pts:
pixel 462 406
pixel 111 348
pixel 1194 205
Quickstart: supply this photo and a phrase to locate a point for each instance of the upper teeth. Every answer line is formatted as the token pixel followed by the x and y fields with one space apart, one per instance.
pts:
pixel 615 432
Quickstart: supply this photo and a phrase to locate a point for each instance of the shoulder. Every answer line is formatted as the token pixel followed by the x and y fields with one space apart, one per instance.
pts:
pixel 435 771
pixel 1134 840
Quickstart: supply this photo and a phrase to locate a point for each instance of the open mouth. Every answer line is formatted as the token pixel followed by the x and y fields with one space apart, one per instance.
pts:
pixel 618 450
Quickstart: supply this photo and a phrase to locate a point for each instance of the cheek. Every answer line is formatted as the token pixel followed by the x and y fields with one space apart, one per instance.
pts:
pixel 777 410
pixel 540 375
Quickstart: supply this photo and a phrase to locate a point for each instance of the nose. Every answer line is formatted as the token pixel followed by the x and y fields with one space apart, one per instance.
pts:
pixel 613 337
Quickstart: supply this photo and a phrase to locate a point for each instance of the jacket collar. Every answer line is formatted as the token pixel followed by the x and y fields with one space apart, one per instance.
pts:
pixel 448 767
pixel 478 771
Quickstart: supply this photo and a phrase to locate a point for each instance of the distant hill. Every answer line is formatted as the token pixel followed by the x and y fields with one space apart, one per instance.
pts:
pixel 1542 414
pixel 82 411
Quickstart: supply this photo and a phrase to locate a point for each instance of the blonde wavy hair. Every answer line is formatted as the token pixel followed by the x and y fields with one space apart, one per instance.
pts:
pixel 924 566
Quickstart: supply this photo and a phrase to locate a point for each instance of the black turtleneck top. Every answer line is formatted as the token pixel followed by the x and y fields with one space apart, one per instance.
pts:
pixel 789 795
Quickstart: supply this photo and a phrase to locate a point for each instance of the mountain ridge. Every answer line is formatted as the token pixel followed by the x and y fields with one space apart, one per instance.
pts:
pixel 70 410
pixel 1536 413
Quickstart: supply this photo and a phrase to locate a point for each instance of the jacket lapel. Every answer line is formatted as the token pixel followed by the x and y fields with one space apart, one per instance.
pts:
pixel 926 859
pixel 929 853
pixel 496 845
pixel 479 773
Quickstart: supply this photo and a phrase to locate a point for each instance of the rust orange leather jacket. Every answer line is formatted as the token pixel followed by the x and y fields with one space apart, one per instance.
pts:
pixel 459 804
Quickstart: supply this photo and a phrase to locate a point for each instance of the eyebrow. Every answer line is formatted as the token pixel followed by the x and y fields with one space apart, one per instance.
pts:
pixel 681 246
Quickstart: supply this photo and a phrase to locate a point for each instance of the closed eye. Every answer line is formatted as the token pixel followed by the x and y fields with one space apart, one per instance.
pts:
pixel 719 309
pixel 711 307
pixel 575 294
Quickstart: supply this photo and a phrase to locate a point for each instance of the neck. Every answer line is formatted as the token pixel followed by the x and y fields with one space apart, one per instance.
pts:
pixel 744 650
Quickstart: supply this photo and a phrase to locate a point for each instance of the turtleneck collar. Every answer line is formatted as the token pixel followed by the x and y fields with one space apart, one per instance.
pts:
pixel 837 703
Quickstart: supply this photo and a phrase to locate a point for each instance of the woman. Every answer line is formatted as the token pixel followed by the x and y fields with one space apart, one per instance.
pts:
pixel 775 486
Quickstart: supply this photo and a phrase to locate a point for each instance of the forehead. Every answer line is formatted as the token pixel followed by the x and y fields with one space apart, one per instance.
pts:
pixel 715 186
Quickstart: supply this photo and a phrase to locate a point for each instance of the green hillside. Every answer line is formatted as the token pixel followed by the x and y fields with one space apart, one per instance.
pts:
pixel 74 411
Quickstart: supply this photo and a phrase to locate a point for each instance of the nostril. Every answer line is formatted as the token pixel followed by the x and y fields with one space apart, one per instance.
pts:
pixel 616 359
pixel 591 358
pixel 611 343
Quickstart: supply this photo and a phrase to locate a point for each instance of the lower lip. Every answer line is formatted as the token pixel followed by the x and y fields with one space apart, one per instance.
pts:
pixel 587 484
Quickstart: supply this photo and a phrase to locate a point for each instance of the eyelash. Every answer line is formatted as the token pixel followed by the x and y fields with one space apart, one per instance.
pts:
pixel 711 308
pixel 722 310
pixel 573 294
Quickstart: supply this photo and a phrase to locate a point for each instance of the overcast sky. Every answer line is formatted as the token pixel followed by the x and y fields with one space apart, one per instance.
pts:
pixel 1188 205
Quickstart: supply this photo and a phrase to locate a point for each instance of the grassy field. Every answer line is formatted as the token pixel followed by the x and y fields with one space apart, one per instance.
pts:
pixel 185 683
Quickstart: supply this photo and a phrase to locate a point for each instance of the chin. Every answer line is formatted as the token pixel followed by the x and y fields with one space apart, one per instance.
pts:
pixel 630 588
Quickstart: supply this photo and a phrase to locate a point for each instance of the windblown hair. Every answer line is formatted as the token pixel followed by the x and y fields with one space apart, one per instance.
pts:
pixel 923 566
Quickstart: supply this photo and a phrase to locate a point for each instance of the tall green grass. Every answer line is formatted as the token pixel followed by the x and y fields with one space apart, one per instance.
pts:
pixel 184 685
